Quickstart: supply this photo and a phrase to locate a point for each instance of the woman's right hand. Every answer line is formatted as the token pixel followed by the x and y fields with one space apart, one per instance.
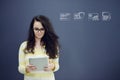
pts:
pixel 30 68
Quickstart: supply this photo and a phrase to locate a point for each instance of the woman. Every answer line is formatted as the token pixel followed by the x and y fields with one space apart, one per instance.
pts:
pixel 42 41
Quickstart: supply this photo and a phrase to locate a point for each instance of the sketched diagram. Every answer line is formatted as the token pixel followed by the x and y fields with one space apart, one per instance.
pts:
pixel 79 15
pixel 93 16
pixel 65 16
pixel 106 16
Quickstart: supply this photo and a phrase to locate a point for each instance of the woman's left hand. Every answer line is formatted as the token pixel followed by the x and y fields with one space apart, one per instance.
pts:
pixel 50 67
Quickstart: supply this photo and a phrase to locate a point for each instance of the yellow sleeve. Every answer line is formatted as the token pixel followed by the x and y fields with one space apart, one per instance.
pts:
pixel 22 64
pixel 56 63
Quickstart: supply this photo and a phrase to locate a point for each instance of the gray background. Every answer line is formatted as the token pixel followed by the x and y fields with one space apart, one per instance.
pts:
pixel 90 49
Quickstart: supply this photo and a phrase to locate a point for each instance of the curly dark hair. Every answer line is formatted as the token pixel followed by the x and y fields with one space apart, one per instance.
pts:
pixel 49 40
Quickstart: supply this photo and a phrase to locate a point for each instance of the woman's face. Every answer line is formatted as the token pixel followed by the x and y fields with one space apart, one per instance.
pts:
pixel 39 30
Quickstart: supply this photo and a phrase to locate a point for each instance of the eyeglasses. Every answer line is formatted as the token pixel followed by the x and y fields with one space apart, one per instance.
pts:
pixel 37 29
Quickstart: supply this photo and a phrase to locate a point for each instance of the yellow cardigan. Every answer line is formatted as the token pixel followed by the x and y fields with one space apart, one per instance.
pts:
pixel 24 61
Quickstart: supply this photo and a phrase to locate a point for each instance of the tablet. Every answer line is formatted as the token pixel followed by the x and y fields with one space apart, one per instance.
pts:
pixel 39 62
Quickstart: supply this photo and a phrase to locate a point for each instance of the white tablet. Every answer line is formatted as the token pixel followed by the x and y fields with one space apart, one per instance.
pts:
pixel 39 62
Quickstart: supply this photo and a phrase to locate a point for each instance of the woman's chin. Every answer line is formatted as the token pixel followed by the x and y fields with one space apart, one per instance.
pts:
pixel 39 37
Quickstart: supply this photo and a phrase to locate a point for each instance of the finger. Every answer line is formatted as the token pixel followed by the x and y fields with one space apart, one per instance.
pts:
pixel 33 67
pixel 46 69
